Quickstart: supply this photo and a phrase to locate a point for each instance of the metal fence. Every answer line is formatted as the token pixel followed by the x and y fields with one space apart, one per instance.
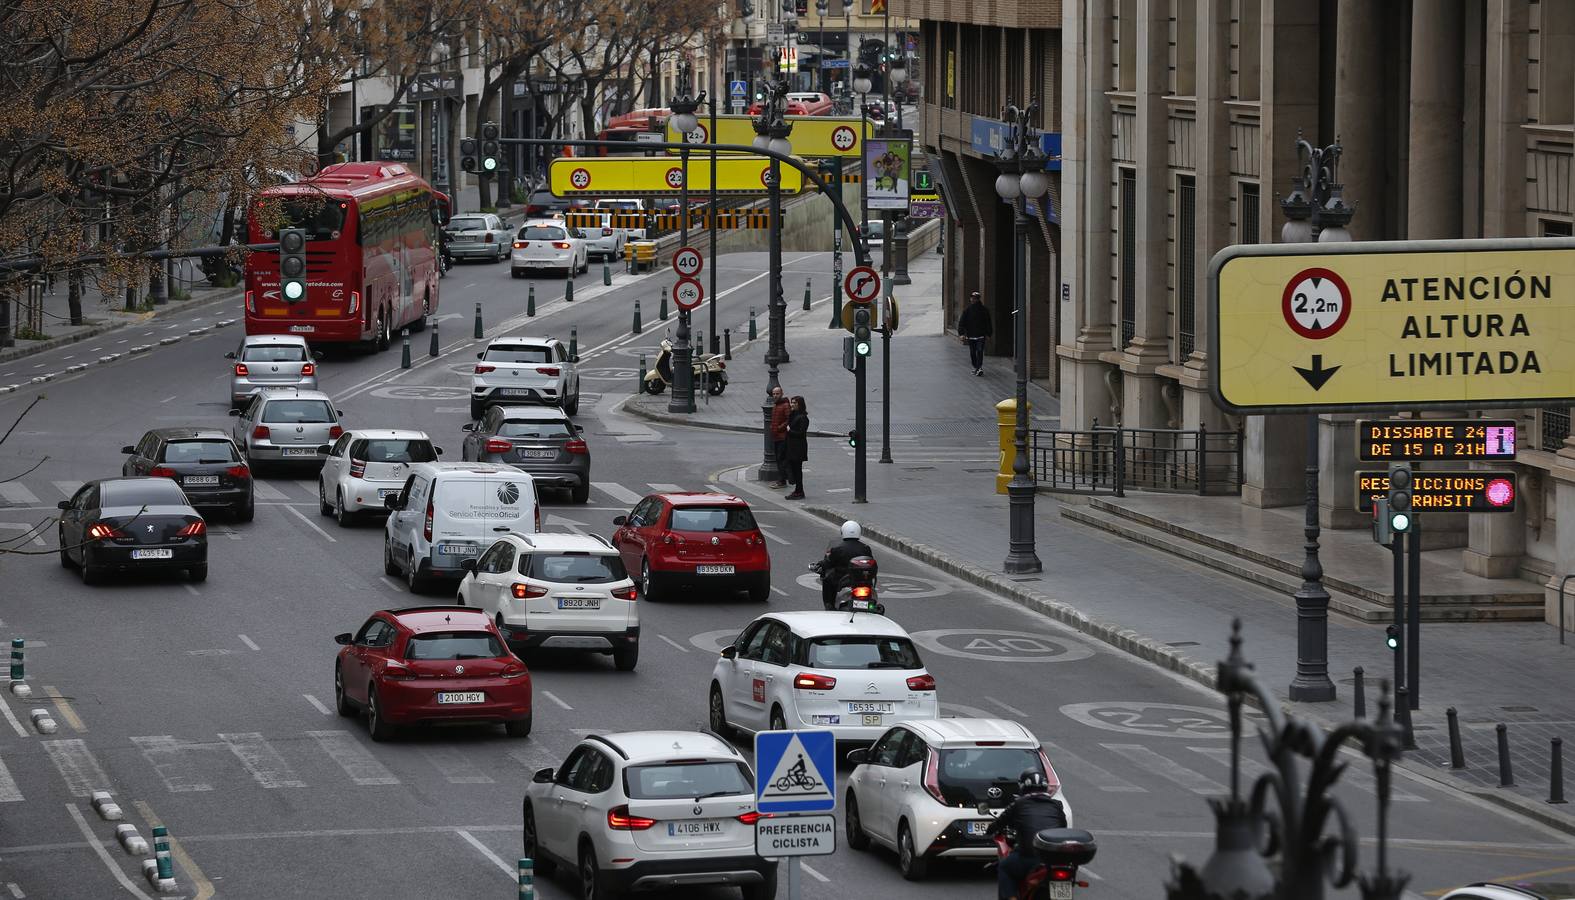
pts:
pixel 1111 460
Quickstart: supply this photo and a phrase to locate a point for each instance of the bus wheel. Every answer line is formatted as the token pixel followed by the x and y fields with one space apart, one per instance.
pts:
pixel 381 340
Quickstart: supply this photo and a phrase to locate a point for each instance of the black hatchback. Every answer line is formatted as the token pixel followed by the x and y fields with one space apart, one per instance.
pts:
pixel 204 461
pixel 132 524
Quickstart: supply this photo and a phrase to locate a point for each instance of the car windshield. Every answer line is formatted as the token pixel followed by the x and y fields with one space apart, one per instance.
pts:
pixel 285 412
pixel 322 217
pixel 454 645
pixel 513 354
pixel 153 492
pixel 575 568
pixel 199 451
pixel 533 429
pixel 274 353
pixel 394 450
pixel 966 774
pixel 467 223
pixel 862 652
pixel 542 233
pixel 713 518
pixel 690 780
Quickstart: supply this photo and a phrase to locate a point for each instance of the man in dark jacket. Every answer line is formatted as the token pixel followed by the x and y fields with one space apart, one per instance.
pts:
pixel 779 429
pixel 1033 811
pixel 974 327
pixel 834 565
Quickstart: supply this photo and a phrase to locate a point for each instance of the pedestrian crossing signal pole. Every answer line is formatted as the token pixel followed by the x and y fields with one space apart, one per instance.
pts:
pixel 862 345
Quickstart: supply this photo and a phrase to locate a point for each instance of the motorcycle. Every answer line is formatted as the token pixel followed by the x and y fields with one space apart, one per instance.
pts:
pixel 445 261
pixel 1060 850
pixel 708 368
pixel 857 594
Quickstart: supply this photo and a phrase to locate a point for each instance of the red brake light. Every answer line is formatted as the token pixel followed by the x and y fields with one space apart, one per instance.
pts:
pixel 100 531
pixel 628 593
pixel 521 245
pixel 618 818
pixel 576 446
pixel 487 239
pixel 251 303
pixel 261 432
pixel 355 303
pixel 669 538
pixel 607 231
pixel 861 592
pixel 238 472
pixel 560 245
pixel 932 778
pixel 241 371
pixel 426 528
pixel 538 517
pixel 335 431
pixel 526 591
pixel 162 472
pixel 925 682
pixel 547 370
pixel 194 529
pixel 498 445
pixel 750 818
pixel 309 369
pixel 809 681
pixel 1062 873
pixel 357 468
pixel 482 370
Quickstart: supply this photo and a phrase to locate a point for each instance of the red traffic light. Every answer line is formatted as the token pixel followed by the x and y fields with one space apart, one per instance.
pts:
pixel 1501 492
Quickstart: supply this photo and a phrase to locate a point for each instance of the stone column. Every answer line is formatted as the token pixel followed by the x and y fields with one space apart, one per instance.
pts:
pixel 1497 542
pixel 1434 187
pixel 1504 109
pixel 1563 475
pixel 1274 456
pixel 1144 406
pixel 1362 42
pixel 1337 474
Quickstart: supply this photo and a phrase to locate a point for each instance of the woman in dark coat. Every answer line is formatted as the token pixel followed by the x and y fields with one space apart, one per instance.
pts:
pixel 795 450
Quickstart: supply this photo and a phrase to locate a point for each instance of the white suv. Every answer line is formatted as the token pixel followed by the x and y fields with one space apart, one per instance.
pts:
pixel 518 370
pixel 648 810
pixel 365 466
pixel 557 591
pixel 917 790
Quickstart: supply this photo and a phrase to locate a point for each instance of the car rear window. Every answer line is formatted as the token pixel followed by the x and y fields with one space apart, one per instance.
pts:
pixel 576 568
pixel 513 354
pixel 713 518
pixel 862 652
pixel 454 645
pixel 467 223
pixel 270 353
pixel 542 233
pixel 966 774
pixel 199 451
pixel 393 450
pixel 289 411
pixel 154 492
pixel 532 428
pixel 687 780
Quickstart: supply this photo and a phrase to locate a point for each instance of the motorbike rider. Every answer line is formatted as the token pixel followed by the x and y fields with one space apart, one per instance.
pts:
pixel 1034 810
pixel 835 566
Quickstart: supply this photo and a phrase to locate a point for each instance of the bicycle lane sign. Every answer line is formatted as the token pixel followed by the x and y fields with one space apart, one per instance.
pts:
pixel 795 771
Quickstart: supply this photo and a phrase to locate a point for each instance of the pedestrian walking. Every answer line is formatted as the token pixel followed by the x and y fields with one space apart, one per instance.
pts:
pixel 796 448
pixel 779 429
pixel 973 328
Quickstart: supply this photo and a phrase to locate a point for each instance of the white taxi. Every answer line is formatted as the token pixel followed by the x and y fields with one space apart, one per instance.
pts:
pixel 548 244
pixel 854 674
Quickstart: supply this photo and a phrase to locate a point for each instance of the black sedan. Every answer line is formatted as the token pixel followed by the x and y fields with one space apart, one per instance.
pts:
pixel 132 524
pixel 204 461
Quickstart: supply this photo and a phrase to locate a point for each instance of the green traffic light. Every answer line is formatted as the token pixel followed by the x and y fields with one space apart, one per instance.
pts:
pixel 862 348
pixel 293 290
pixel 1400 522
pixel 1392 638
pixel 489 164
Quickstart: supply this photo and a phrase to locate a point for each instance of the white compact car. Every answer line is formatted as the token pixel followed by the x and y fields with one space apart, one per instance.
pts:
pixel 548 244
pixel 648 810
pixel 365 466
pixel 447 513
pixel 917 790
pixel 557 591
pixel 518 370
pixel 854 674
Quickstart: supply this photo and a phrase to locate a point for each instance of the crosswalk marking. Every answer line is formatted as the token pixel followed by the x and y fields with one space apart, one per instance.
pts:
pixel 1168 769
pixel 69 488
pixel 1090 774
pixel 9 792
pixel 163 753
pixel 261 760
pixel 1250 768
pixel 357 761
pixel 534 759
pixel 17 494
pixel 1358 778
pixel 455 766
pixel 77 766
pixel 265 491
pixel 617 492
pixel 664 487
pixel 561 522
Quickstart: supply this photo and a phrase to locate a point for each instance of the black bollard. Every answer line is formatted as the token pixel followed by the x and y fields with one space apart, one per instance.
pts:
pixel 727 343
pixel 478 322
pixel 530 302
pixel 1404 711
pixel 640 385
pixel 636 329
pixel 1556 773
pixel 434 350
pixel 606 273
pixel 574 344
pixel 404 355
pixel 1360 690
pixel 568 287
pixel 806 293
pixel 663 311
pixel 752 333
pixel 1506 774
pixel 1457 753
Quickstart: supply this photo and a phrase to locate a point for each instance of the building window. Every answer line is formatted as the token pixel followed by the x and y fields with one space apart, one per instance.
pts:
pixel 1039 84
pixel 1247 214
pixel 1128 255
pixel 1555 228
pixel 1016 57
pixel 1186 263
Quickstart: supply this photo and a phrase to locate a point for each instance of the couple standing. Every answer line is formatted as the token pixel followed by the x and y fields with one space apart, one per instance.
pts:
pixel 790 435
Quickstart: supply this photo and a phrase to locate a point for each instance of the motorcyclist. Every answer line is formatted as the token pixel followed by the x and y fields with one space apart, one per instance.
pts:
pixel 1034 810
pixel 836 565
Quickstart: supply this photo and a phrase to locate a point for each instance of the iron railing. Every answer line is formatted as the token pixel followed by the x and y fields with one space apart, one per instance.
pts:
pixel 1111 460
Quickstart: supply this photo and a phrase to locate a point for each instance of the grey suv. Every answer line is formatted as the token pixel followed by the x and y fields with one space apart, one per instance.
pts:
pixel 287 426
pixel 539 440
pixel 270 361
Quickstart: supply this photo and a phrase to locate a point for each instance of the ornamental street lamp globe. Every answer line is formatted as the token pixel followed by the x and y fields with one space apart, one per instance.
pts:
pixel 780 145
pixel 862 82
pixel 899 72
pixel 685 122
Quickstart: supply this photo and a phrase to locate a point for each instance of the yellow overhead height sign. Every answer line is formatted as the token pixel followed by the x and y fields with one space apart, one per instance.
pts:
pixel 650 176
pixel 813 137
pixel 1439 324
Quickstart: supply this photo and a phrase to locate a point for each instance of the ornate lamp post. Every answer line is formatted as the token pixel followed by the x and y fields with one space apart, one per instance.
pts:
pixel 862 82
pixel 684 121
pixel 1022 178
pixel 899 221
pixel 771 133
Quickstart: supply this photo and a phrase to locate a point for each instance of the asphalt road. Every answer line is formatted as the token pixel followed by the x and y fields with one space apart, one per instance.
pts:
pixel 205 707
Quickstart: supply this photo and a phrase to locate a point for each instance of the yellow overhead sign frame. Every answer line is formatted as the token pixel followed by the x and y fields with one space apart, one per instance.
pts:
pixel 1397 324
pixel 661 176
pixel 813 137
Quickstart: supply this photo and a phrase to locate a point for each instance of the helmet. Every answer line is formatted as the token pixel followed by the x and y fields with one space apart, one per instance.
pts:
pixel 851 531
pixel 1031 781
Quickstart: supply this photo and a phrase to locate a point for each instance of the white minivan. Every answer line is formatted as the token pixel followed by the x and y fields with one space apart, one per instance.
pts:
pixel 448 512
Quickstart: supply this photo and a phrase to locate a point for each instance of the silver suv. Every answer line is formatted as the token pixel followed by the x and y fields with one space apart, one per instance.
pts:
pixel 287 426
pixel 539 440
pixel 516 370
pixel 270 361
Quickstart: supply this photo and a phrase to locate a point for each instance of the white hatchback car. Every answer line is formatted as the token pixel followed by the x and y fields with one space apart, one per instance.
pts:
pixel 917 790
pixel 854 674
pixel 518 370
pixel 557 591
pixel 648 810
pixel 548 244
pixel 365 466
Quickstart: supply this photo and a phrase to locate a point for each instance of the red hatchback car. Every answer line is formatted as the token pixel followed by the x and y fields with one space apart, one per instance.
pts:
pixel 430 664
pixel 692 540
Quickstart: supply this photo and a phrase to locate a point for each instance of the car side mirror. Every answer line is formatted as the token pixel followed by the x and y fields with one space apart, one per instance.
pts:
pixel 620 521
pixel 468 426
pixel 479 355
pixel 543 776
pixel 394 502
pixel 859 756
pixel 343 638
pixel 438 450
pixel 63 504
pixel 128 449
pixel 467 565
pixel 729 652
pixel 230 355
pixel 340 413
pixel 235 412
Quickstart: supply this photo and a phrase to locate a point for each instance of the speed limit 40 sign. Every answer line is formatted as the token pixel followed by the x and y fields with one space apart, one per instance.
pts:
pixel 688 262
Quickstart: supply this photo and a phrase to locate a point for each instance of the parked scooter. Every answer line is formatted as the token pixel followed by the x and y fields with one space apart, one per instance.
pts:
pixel 709 370
pixel 1060 850
pixel 858 593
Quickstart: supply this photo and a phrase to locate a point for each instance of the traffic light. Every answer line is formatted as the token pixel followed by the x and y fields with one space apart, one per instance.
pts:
pixel 849 360
pixel 490 149
pixel 1382 533
pixel 822 7
pixel 861 331
pixel 292 264
pixel 1400 498
pixel 801 7
pixel 467 154
pixel 745 9
pixel 853 438
pixel 1392 637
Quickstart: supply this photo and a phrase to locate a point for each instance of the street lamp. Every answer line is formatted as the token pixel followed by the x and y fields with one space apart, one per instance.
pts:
pixel 1022 179
pixel 862 83
pixel 684 121
pixel 899 237
pixel 771 133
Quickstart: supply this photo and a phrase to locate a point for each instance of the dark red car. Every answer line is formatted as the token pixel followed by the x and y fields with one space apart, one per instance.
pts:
pixel 428 665
pixel 694 540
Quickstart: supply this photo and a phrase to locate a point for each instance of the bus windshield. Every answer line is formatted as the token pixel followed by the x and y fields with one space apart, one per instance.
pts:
pixel 322 217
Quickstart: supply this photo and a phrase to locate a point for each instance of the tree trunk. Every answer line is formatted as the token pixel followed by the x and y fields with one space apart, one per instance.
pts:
pixel 74 295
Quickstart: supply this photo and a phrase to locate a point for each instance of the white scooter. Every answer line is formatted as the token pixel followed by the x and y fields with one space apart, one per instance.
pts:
pixel 709 370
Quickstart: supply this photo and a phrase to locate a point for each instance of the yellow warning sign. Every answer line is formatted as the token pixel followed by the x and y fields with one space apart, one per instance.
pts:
pixel 661 176
pixel 813 137
pixel 1438 324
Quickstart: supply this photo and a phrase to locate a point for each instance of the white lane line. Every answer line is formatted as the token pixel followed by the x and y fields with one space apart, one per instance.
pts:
pixel 511 871
pixel 1088 773
pixel 18 494
pixel 249 642
pixel 38 536
pixel 617 492
pixel 9 792
pixel 554 698
pixel 1168 769
pixel 68 488
pixel 455 766
pixel 163 753
pixel 15 890
pixel 771 534
pixel 11 717
pixel 1011 709
pixel 810 871
pixel 779 590
pixel 103 854
pixel 191 590
pixel 261 760
pixel 77 766
pixel 317 704
pixel 391 582
pixel 674 644
pixel 169 398
pixel 266 491
pixel 126 341
pixel 664 487
pixel 357 761
pixel 312 525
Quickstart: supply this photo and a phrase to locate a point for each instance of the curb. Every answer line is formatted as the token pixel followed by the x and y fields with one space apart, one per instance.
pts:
pixel 105 360
pixel 676 419
pixel 92 331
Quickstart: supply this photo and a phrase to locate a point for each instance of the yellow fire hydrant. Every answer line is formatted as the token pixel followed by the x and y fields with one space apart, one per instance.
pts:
pixel 1006 424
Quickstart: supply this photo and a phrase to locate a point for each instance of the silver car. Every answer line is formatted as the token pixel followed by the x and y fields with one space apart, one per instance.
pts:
pixel 270 361
pixel 537 439
pixel 287 426
pixel 519 370
pixel 479 236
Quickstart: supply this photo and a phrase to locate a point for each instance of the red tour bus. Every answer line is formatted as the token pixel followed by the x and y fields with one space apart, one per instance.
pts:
pixel 624 128
pixel 371 255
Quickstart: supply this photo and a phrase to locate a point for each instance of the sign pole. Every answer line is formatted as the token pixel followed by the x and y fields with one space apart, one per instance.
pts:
pixel 1398 548
pixel 885 376
pixel 1413 647
pixel 795 872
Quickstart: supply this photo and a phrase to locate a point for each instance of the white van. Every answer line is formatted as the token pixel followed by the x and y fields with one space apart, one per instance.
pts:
pixel 448 512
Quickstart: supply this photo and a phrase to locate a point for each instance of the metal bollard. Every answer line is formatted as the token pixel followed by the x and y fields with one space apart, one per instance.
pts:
pixel 1359 689
pixel 698 346
pixel 606 273
pixel 404 353
pixel 161 851
pixel 434 349
pixel 727 343
pixel 568 287
pixel 636 329
pixel 1556 773
pixel 527 880
pixel 753 334
pixel 16 660
pixel 478 322
pixel 1506 773
pixel 640 385
pixel 1457 753
pixel 1403 710
pixel 663 311
pixel 530 302
pixel 574 344
pixel 806 293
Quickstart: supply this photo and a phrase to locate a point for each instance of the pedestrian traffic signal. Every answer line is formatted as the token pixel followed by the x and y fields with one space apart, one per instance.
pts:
pixel 1392 637
pixel 467 154
pixel 849 359
pixel 292 264
pixel 1400 498
pixel 1382 533
pixel 853 438
pixel 861 332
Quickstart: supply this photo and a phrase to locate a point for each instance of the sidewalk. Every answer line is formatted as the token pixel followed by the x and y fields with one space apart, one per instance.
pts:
pixel 937 502
pixel 102 314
